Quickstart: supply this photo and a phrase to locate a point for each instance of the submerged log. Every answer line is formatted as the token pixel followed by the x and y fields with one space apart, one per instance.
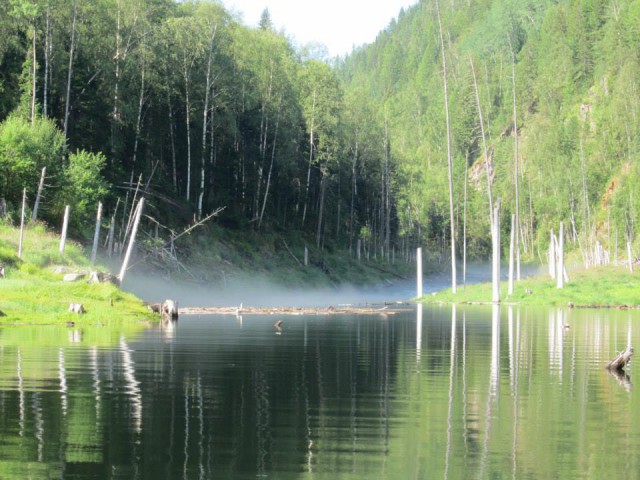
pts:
pixel 621 360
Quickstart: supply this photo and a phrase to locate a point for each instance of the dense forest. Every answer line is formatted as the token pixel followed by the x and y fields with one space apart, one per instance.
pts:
pixel 408 141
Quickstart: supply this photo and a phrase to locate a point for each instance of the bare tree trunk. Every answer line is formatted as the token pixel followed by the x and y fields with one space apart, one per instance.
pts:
pixel 560 274
pixel 511 253
pixel 47 58
pixel 96 235
pixel 173 143
pixel 125 262
pixel 65 224
pixel 22 214
pixel 464 231
pixel 495 236
pixel 34 215
pixel 70 69
pixel 484 144
pixel 273 157
pixel 33 74
pixel 354 192
pixel 139 116
pixel 552 255
pixel 419 289
pixel 387 189
pixel 311 149
pixel 188 125
pixel 449 157
pixel 320 210
pixel 115 115
pixel 205 118
pixel 517 163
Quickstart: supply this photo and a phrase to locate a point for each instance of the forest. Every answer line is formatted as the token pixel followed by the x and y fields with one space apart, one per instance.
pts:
pixel 409 141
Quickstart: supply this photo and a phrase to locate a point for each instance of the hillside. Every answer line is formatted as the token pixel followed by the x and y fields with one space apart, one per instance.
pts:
pixel 571 67
pixel 181 103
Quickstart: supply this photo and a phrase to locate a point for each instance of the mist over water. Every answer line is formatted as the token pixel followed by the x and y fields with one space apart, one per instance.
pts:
pixel 260 292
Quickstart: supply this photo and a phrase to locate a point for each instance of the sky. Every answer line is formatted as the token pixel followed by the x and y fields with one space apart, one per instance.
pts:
pixel 338 24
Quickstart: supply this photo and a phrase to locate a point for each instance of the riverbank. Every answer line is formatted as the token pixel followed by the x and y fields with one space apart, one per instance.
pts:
pixel 602 287
pixel 31 293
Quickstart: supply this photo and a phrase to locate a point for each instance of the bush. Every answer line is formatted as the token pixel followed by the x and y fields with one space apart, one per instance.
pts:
pixel 24 150
pixel 83 187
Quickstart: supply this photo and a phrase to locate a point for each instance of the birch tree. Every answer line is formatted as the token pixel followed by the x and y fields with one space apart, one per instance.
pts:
pixel 449 155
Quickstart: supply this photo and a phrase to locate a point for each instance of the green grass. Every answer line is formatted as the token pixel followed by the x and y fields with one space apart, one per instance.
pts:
pixel 31 294
pixel 596 287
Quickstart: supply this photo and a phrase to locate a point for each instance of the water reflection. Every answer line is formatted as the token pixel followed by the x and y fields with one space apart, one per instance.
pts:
pixel 436 393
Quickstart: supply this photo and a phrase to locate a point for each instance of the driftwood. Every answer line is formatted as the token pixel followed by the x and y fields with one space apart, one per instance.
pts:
pixel 330 310
pixel 77 308
pixel 621 360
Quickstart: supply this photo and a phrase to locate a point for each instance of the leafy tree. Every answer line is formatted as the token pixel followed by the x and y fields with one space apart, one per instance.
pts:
pixel 83 186
pixel 25 149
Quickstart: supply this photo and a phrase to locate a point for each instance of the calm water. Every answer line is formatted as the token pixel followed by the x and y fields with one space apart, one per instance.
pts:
pixel 442 393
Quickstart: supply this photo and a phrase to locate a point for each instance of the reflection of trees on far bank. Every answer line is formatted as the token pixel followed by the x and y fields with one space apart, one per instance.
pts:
pixel 446 391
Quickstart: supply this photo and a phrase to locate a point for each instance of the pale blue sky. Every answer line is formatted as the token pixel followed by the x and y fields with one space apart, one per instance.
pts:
pixel 338 24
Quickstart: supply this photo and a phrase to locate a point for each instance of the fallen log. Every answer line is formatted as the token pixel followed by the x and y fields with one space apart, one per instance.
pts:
pixel 330 310
pixel 621 360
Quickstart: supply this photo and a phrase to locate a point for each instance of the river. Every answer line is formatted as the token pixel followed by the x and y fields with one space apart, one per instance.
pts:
pixel 435 392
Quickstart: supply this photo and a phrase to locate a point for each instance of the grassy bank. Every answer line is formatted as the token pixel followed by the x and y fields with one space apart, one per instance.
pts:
pixel 32 294
pixel 596 287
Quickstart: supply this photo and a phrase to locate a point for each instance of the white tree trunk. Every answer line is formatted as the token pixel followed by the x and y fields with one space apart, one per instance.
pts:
pixel 552 254
pixel 495 274
pixel 629 256
pixel 96 235
pixel 70 69
pixel 454 279
pixel 24 201
pixel 34 215
pixel 517 164
pixel 132 239
pixel 65 224
pixel 273 157
pixel 511 253
pixel 560 273
pixel 419 290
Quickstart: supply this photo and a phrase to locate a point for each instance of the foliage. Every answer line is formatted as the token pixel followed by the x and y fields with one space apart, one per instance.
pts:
pixel 24 150
pixel 83 185
pixel 329 147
